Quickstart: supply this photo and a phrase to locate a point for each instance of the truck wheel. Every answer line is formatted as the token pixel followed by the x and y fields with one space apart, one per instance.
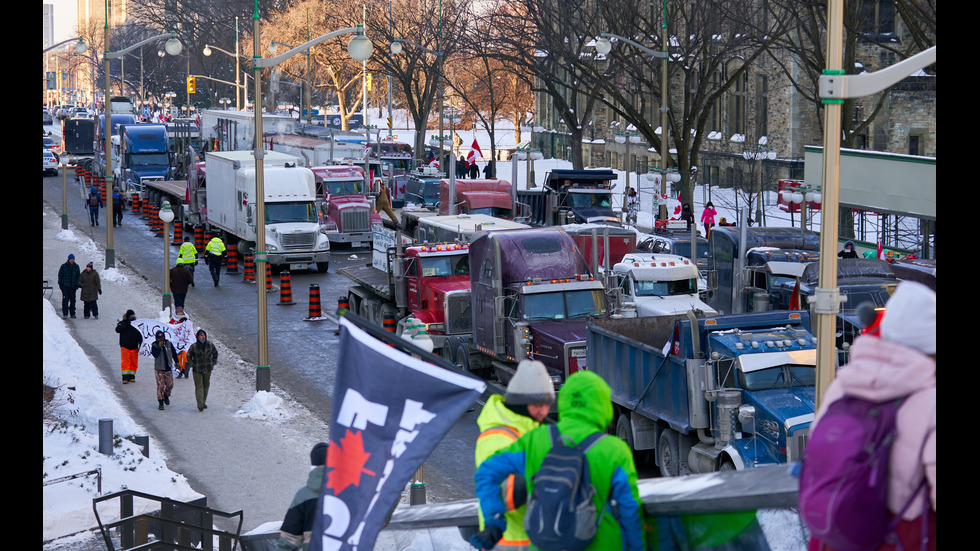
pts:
pixel 624 432
pixel 670 454
pixel 726 466
pixel 448 351
pixel 322 267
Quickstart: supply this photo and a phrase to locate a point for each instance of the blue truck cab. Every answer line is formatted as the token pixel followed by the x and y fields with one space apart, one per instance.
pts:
pixel 144 154
pixel 709 394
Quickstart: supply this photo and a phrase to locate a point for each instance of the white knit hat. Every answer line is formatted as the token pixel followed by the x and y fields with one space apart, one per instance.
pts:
pixel 910 317
pixel 530 385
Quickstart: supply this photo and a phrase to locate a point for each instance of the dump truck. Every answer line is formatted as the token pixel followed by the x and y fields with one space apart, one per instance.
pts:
pixel 703 394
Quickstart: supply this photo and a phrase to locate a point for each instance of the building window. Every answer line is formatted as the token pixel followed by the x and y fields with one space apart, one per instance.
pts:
pixel 878 18
pixel 736 106
pixel 761 106
pixel 917 144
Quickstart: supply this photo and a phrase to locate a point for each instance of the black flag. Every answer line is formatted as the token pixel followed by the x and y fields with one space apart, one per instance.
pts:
pixel 390 410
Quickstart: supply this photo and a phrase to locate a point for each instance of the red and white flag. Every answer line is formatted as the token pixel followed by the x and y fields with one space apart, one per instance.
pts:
pixel 880 249
pixel 474 153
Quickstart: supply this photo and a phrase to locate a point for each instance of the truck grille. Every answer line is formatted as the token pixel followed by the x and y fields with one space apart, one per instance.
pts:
pixel 458 315
pixel 306 240
pixel 353 220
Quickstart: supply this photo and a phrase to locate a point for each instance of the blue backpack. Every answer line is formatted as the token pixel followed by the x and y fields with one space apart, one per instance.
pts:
pixel 844 480
pixel 560 513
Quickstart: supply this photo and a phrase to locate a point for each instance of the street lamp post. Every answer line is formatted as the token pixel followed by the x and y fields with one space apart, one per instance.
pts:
pixel 64 191
pixel 360 49
pixel 604 46
pixel 207 52
pixel 173 47
pixel 167 216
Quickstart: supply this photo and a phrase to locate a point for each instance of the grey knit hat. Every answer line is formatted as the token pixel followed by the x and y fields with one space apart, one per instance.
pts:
pixel 530 385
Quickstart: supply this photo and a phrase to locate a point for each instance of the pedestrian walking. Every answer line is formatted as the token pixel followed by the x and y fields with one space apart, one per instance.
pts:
pixel 297 526
pixel 898 363
pixel 94 202
pixel 526 403
pixel 584 409
pixel 708 217
pixel 187 255
pixel 688 215
pixel 849 251
pixel 68 275
pixel 202 356
pixel 118 206
pixel 461 168
pixel 164 356
pixel 213 256
pixel 489 170
pixel 632 206
pixel 130 340
pixel 383 203
pixel 474 171
pixel 91 287
pixel 180 280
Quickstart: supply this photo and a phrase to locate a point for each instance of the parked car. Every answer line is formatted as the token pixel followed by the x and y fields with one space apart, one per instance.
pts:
pixel 50 163
pixel 80 112
pixel 673 242
pixel 46 117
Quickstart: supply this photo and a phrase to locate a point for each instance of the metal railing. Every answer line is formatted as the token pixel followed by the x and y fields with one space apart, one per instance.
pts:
pixel 181 525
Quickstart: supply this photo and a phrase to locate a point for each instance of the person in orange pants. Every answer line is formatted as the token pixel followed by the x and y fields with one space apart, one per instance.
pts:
pixel 130 340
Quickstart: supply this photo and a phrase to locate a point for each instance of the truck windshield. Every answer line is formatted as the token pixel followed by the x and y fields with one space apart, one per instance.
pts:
pixel 683 248
pixel 784 376
pixel 445 266
pixel 149 159
pixel 585 200
pixel 564 305
pixel 290 212
pixel 666 288
pixel 348 187
pixel 496 212
pixel 431 191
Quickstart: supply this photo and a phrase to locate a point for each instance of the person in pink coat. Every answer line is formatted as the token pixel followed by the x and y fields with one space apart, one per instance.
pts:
pixel 902 361
pixel 708 217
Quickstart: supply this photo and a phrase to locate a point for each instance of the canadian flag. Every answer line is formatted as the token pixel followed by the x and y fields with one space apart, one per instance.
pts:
pixel 677 209
pixel 474 153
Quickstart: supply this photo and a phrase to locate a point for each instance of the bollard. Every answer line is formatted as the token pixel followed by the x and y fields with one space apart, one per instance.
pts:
pixel 285 288
pixel 389 323
pixel 178 233
pixel 105 436
pixel 134 204
pixel 249 268
pixel 231 265
pixel 343 304
pixel 314 302
pixel 268 277
pixel 145 208
pixel 143 441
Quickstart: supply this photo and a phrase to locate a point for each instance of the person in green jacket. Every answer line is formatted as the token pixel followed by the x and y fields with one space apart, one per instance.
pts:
pixel 584 408
pixel 297 526
pixel 502 421
pixel 202 355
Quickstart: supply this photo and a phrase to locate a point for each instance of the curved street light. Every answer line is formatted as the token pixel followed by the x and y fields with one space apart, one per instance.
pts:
pixel 207 53
pixel 172 47
pixel 359 48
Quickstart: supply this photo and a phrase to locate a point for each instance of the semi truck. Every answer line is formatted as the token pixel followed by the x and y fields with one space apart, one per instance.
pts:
pixel 459 227
pixel 708 394
pixel 293 235
pixel 572 197
pixel 346 212
pixel 658 285
pixel 144 154
pixel 79 137
pixel 532 295
pixel 428 282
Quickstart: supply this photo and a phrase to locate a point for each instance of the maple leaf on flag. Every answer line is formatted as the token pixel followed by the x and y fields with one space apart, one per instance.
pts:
pixel 347 459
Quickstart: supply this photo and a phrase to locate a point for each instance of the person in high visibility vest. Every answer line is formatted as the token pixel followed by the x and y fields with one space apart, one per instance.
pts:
pixel 187 255
pixel 213 255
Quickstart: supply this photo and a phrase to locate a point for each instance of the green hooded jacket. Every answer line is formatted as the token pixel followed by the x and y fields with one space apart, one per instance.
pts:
pixel 499 428
pixel 584 407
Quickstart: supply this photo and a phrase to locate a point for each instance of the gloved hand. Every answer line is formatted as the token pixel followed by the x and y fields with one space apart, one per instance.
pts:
pixel 520 491
pixel 488 538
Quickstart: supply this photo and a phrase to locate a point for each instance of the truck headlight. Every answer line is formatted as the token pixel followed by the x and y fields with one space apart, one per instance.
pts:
pixel 270 247
pixel 330 227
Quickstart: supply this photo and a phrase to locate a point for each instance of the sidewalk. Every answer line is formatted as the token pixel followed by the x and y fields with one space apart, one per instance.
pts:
pixel 238 462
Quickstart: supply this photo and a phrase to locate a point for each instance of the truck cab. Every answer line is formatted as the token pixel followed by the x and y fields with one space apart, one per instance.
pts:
pixel 345 211
pixel 422 189
pixel 572 197
pixel 144 154
pixel 659 284
pixel 532 297
pixel 437 285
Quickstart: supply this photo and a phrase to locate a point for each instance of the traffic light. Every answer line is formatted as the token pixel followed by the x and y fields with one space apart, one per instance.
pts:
pixel 191 85
pixel 369 79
